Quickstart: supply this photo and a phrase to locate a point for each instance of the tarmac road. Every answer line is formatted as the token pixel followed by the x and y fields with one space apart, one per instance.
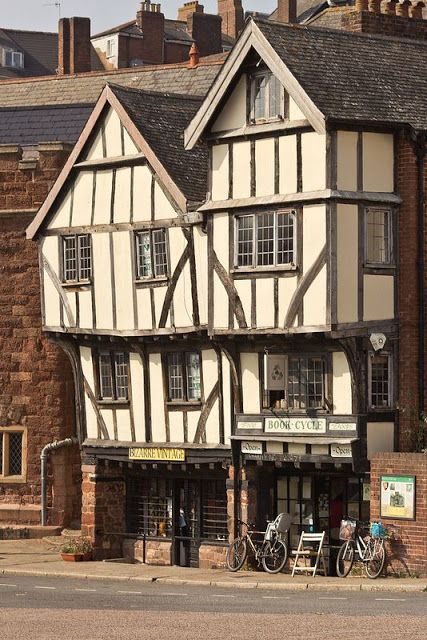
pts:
pixel 66 609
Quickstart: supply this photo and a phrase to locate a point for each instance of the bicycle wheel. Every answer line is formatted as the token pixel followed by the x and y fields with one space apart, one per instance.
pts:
pixel 236 554
pixel 276 554
pixel 375 564
pixel 345 559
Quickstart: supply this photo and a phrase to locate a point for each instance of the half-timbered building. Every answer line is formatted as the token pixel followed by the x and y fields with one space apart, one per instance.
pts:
pixel 226 277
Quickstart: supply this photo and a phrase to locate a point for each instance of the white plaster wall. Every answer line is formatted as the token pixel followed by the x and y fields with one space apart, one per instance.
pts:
pixel 288 164
pixel 227 401
pixel 295 112
pixel 264 167
pixel 241 170
pixel 142 194
pixel 314 234
pixel 143 301
pixel 72 299
pixel 313 151
pixel 85 308
pixel 138 399
pixel 113 134
pixel 157 403
pixel 315 301
pixel 265 303
pixel 287 288
pixel 347 263
pixel 250 382
pixel 380 436
pixel 378 297
pixel 163 210
pixel 183 305
pixel 212 425
pixel 102 210
pixel 159 298
pixel 347 160
pixel 122 195
pixel 176 426
pixel 87 370
pixel 101 43
pixel 341 380
pixel 220 172
pixel 220 304
pixel 102 280
pixel 107 415
pixel 124 432
pixel 378 162
pixel 243 288
pixel 129 145
pixel 233 113
pixel 96 149
pixel 201 255
pixel 123 279
pixel 193 420
pixel 52 301
pixel 82 207
pixel 220 239
pixel 61 218
pixel 210 371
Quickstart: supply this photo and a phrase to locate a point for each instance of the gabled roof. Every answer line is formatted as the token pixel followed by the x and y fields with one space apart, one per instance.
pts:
pixel 156 124
pixel 331 75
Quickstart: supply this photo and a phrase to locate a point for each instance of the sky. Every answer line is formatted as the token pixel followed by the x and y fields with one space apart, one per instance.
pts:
pixel 42 15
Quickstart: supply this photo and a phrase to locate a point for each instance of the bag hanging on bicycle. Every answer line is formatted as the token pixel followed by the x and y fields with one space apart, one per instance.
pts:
pixel 378 530
pixel 348 529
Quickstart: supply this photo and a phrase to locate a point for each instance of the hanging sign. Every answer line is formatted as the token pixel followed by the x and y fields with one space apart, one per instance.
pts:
pixel 398 497
pixel 295 425
pixel 157 454
pixel 274 367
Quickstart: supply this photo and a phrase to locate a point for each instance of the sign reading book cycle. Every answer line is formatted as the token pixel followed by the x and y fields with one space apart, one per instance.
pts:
pixel 295 425
pixel 398 497
pixel 157 454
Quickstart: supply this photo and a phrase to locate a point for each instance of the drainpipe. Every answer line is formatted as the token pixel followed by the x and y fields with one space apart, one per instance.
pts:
pixel 52 446
pixel 421 152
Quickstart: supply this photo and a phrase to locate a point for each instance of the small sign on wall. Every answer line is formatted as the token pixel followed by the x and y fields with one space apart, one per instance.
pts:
pixel 398 497
pixel 252 448
pixel 341 450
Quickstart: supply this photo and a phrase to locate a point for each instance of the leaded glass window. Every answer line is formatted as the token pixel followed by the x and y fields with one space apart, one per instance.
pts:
pixel 151 254
pixel 114 375
pixel 380 387
pixel 266 239
pixel 184 379
pixel 378 236
pixel 268 98
pixel 77 258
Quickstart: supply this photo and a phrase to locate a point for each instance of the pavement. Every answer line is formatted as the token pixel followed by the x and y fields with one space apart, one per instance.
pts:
pixel 41 558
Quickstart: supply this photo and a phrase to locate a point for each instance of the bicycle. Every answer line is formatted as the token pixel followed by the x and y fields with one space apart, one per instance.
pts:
pixel 271 552
pixel 368 546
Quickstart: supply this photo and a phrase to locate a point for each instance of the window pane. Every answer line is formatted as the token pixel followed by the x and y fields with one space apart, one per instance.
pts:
pixel 214 510
pixel 380 381
pixel 15 454
pixel 293 384
pixel 193 376
pixel 275 97
pixel 70 258
pixel 85 257
pixel 122 376
pixel 105 374
pixel 175 377
pixel 265 239
pixel 378 236
pixel 259 96
pixel 245 237
pixel 285 238
pixel 306 383
pixel 160 256
pixel 143 255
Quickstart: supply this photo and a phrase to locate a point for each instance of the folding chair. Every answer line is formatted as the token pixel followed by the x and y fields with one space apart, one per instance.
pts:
pixel 308 552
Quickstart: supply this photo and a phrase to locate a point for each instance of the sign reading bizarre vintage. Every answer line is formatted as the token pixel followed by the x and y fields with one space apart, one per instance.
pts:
pixel 161 454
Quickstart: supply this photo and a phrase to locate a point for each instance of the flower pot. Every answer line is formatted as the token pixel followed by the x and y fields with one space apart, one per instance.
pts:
pixel 72 557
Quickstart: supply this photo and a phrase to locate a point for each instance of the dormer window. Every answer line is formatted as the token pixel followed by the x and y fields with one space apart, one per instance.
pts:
pixel 268 99
pixel 110 48
pixel 13 59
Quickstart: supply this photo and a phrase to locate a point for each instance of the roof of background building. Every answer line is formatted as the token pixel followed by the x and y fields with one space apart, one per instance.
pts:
pixel 162 118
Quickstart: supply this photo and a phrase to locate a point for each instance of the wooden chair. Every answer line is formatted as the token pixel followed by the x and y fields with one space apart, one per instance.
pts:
pixel 306 550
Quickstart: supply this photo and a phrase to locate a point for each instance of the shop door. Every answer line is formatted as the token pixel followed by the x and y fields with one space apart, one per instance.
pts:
pixel 187 523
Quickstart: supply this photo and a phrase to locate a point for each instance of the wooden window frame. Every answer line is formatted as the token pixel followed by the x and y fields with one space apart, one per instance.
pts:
pixel 184 400
pixel 276 266
pixel 112 362
pixel 78 280
pixel 390 405
pixel 389 262
pixel 4 452
pixel 13 55
pixel 284 99
pixel 153 276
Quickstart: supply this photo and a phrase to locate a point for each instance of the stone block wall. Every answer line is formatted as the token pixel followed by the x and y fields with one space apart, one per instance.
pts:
pixel 212 556
pixel 407 554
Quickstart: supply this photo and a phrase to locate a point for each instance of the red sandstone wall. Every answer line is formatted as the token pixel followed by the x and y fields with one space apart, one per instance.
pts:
pixel 409 553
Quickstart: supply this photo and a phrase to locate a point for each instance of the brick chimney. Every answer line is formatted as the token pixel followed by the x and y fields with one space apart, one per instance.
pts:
pixel 188 8
pixel 205 29
pixel 287 11
pixel 74 45
pixel 151 21
pixel 233 19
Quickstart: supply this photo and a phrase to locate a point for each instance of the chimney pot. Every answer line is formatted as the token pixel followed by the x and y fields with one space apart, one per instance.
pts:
pixel 374 6
pixel 416 11
pixel 402 8
pixel 361 5
pixel 194 56
pixel 389 7
pixel 287 11
pixel 188 8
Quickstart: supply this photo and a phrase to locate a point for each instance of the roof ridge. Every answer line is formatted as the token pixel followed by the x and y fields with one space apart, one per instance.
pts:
pixel 150 92
pixel 45 33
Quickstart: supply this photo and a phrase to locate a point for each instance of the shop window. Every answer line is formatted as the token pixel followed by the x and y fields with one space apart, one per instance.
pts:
pixel 76 258
pixel 378 245
pixel 302 384
pixel 149 507
pixel 113 375
pixel 380 381
pixel 13 452
pixel 151 254
pixel 184 379
pixel 268 98
pixel 266 239
pixel 214 510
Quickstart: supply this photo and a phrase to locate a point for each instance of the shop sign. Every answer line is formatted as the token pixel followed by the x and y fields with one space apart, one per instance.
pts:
pixel 398 497
pixel 275 368
pixel 157 454
pixel 252 448
pixel 249 425
pixel 295 425
pixel 342 426
pixel 341 450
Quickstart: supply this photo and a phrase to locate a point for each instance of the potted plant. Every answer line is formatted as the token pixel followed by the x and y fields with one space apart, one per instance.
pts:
pixel 76 550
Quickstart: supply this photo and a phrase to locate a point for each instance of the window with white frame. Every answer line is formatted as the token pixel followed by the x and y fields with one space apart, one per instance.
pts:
pixel 110 47
pixel 113 375
pixel 13 445
pixel 265 239
pixel 380 381
pixel 378 236
pixel 184 380
pixel 268 97
pixel 77 258
pixel 151 254
pixel 302 383
pixel 13 59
